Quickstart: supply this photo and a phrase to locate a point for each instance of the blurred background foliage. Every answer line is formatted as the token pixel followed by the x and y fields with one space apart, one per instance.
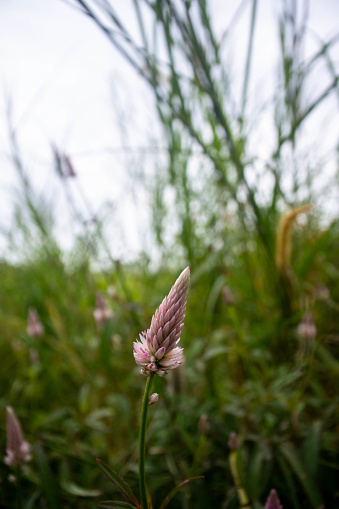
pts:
pixel 261 331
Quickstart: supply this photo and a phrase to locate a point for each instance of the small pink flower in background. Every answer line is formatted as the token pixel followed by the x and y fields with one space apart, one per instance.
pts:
pixel 17 449
pixel 228 296
pixel 273 501
pixel 233 441
pixel 158 351
pixel 34 326
pixel 321 292
pixel 204 425
pixel 153 398
pixel 307 328
pixel 101 313
pixel 63 163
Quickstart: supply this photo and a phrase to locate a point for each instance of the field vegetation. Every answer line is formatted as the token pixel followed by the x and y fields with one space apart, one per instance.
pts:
pixel 246 195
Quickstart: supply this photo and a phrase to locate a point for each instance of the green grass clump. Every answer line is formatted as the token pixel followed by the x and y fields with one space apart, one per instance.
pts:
pixel 77 390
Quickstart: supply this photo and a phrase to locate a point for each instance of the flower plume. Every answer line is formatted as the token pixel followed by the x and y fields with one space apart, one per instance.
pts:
pixel 17 449
pixel 273 501
pixel 34 326
pixel 158 350
pixel 102 313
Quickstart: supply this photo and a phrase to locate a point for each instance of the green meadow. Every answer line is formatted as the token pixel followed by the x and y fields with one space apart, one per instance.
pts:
pixel 246 195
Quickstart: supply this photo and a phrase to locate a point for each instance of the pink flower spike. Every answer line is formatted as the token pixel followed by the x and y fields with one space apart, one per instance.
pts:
pixel 101 313
pixel 17 449
pixel 159 343
pixel 273 501
pixel 34 326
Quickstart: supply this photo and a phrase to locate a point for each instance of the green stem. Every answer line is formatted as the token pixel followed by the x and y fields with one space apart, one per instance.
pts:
pixel 19 488
pixel 142 443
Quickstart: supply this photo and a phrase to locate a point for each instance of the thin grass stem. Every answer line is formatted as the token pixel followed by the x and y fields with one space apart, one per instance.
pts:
pixel 248 62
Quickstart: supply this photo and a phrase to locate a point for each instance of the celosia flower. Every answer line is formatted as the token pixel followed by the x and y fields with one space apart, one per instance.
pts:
pixel 273 501
pixel 153 398
pixel 34 326
pixel 101 313
pixel 17 449
pixel 158 351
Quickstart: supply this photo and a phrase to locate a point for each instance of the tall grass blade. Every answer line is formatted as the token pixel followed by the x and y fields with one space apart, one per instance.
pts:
pixel 48 482
pixel 116 505
pixel 175 490
pixel 115 478
pixel 307 482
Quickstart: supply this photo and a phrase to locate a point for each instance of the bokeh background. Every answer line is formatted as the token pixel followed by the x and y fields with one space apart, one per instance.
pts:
pixel 137 138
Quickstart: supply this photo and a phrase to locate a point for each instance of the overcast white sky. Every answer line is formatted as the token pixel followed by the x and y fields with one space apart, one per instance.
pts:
pixel 64 77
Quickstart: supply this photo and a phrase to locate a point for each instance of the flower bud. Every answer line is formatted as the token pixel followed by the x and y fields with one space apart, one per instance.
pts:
pixel 153 398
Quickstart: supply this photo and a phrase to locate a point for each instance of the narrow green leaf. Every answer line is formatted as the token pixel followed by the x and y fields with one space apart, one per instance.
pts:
pixel 308 484
pixel 93 420
pixel 110 504
pixel 176 489
pixel 214 294
pixel 31 503
pixel 291 489
pixel 327 358
pixel 258 472
pixel 311 449
pixel 115 478
pixel 215 351
pixel 78 491
pixel 48 482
